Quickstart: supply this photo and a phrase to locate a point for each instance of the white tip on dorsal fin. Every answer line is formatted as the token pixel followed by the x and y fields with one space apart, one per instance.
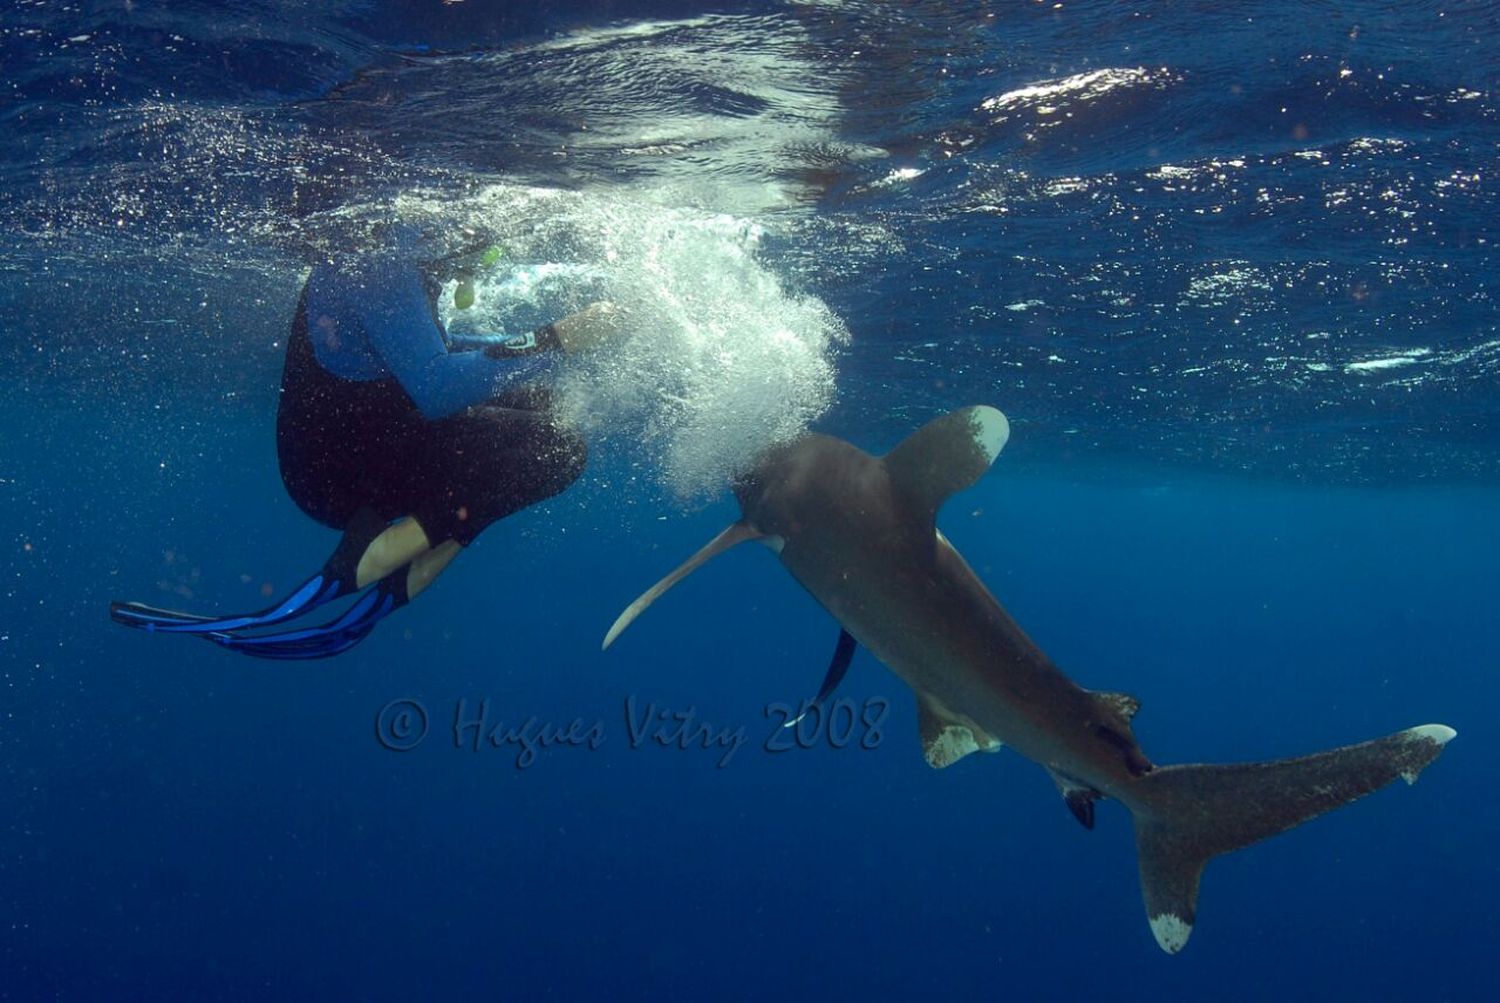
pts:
pixel 948 454
pixel 737 533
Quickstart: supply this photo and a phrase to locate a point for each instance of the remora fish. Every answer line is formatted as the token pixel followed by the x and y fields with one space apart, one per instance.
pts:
pixel 859 532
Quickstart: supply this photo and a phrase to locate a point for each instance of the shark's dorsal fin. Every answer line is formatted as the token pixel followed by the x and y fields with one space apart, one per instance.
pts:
pixel 1078 797
pixel 946 740
pixel 947 454
pixel 737 533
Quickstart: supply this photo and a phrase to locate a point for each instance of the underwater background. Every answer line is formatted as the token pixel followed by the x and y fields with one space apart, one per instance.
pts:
pixel 1228 269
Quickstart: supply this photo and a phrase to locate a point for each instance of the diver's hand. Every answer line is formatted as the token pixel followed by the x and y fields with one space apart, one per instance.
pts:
pixel 590 327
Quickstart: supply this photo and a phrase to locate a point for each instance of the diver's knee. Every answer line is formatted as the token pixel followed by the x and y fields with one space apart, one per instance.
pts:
pixel 566 456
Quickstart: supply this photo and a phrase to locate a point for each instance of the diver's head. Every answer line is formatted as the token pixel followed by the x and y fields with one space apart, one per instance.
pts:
pixel 445 253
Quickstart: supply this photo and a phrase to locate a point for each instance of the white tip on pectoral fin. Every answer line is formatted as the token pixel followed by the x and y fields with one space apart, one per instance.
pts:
pixel 737 533
pixel 1171 931
pixel 1437 735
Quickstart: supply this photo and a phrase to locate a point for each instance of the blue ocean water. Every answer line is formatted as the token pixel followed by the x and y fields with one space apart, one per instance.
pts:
pixel 1227 268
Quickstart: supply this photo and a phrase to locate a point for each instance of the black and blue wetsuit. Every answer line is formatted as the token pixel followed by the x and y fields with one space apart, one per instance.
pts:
pixel 383 415
pixel 380 409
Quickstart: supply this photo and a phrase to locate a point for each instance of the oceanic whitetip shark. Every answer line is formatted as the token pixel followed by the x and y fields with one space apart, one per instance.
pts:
pixel 860 533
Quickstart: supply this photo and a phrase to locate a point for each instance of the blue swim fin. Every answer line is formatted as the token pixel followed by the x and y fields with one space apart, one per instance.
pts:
pixel 334 580
pixel 328 639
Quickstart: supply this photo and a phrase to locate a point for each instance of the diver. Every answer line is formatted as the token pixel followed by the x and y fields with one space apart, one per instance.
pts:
pixel 407 437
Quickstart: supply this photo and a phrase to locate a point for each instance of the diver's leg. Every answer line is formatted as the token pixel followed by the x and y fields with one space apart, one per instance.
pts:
pixel 489 462
pixel 455 478
pixel 396 558
pixel 336 636
pixel 472 470
pixel 340 446
pixel 413 476
pixel 428 566
pixel 397 547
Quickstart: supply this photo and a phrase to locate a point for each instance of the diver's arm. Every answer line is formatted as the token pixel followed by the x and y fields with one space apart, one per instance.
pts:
pixel 400 328
pixel 577 332
pixel 467 342
pixel 504 346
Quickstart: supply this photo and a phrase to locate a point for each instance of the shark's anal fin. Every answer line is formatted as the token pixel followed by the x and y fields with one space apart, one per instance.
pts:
pixel 945 738
pixel 1078 797
pixel 739 532
pixel 843 654
pixel 947 454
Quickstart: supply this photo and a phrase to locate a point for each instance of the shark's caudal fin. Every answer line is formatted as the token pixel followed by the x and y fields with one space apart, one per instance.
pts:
pixel 1189 814
pixel 948 454
pixel 737 533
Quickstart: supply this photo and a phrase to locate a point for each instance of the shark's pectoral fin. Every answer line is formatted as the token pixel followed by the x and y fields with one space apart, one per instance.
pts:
pixel 737 533
pixel 947 454
pixel 843 654
pixel 945 738
pixel 1078 797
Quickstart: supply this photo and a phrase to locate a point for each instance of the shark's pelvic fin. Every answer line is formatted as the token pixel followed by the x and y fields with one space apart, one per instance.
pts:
pixel 947 454
pixel 945 739
pixel 838 666
pixel 739 532
pixel 1190 814
pixel 843 654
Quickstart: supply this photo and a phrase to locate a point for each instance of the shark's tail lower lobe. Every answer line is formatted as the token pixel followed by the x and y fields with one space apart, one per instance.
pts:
pixel 1190 814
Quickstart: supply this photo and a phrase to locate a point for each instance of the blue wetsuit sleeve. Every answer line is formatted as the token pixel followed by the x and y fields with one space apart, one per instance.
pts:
pixel 400 328
pixel 469 341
